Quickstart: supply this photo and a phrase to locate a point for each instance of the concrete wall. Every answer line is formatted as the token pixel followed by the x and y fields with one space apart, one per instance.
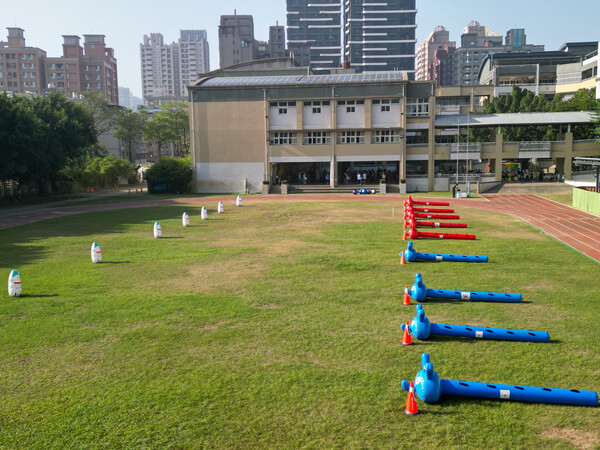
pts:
pixel 229 177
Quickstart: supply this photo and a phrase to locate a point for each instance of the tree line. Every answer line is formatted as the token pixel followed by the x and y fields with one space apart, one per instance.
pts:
pixel 50 144
pixel 525 101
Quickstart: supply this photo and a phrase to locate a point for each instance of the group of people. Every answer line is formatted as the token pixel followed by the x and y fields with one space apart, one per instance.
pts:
pixel 369 177
pixel 525 175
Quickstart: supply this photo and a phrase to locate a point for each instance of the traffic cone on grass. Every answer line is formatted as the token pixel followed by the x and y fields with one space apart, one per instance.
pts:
pixel 412 409
pixel 406 299
pixel 402 259
pixel 406 339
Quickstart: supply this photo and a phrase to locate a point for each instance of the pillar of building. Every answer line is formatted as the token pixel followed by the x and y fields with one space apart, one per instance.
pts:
pixel 431 147
pixel 498 156
pixel 569 155
pixel 402 164
pixel 332 165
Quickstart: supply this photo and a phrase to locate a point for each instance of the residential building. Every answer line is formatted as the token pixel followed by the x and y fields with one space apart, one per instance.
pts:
pixel 92 67
pixel 440 69
pixel 277 41
pixel 237 44
pixel 193 57
pixel 574 66
pixel 339 124
pixel 128 100
pixel 379 36
pixel 438 40
pixel 22 68
pixel 236 40
pixel 314 33
pixel 160 70
pixel 478 42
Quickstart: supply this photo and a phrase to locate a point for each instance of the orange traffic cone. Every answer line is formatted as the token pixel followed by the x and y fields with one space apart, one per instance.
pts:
pixel 402 259
pixel 406 339
pixel 404 236
pixel 412 409
pixel 406 299
pixel 141 190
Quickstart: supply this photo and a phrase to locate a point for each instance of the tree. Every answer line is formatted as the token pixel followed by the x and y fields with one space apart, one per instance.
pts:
pixel 104 115
pixel 175 174
pixel 108 170
pixel 130 126
pixel 175 115
pixel 64 133
pixel 18 127
pixel 158 132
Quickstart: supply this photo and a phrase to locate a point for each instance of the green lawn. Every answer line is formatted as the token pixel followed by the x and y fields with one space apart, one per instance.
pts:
pixel 277 324
pixel 564 198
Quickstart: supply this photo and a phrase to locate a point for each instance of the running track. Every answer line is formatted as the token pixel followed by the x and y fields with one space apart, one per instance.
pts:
pixel 575 228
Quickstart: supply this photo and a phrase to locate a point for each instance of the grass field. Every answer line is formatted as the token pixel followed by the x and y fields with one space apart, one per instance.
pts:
pixel 278 325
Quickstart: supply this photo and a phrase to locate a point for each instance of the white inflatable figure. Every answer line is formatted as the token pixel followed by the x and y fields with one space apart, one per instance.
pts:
pixel 220 208
pixel 14 284
pixel 96 253
pixel 157 230
pixel 203 213
pixel 238 201
pixel 186 220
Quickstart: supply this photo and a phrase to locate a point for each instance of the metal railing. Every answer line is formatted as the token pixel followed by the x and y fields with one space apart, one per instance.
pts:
pixel 474 147
pixel 534 146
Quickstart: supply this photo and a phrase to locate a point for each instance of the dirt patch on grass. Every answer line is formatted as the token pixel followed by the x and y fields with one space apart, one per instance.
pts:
pixel 225 275
pixel 577 438
pixel 268 306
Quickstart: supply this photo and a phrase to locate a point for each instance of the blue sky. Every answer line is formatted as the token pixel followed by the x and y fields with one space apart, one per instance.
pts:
pixel 124 22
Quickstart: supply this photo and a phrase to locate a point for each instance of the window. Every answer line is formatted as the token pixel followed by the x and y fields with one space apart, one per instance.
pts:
pixel 351 137
pixel 417 107
pixel 87 68
pixel 316 138
pixel 350 109
pixel 385 136
pixel 97 68
pixel 385 108
pixel 316 110
pixel 283 138
pixel 282 110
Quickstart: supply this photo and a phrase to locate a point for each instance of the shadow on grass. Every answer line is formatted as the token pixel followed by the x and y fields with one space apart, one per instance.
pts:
pixel 38 295
pixel 114 262
pixel 18 245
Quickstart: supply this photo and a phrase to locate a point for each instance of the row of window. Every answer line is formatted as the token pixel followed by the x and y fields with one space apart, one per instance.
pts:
pixel 415 107
pixel 15 84
pixel 343 137
pixel 14 56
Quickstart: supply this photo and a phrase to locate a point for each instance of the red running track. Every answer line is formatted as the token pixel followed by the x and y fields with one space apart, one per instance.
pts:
pixel 575 228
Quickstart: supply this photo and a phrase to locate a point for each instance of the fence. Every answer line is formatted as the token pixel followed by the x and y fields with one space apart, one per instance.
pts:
pixel 586 201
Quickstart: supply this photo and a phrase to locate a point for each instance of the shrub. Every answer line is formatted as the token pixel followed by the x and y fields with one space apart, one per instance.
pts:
pixel 172 175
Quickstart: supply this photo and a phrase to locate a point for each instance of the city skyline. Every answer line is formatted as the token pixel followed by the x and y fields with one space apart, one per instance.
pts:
pixel 125 24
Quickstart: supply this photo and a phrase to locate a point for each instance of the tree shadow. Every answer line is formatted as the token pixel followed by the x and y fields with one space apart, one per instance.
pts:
pixel 18 244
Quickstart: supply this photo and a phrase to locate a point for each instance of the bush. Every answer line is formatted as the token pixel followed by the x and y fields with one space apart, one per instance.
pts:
pixel 172 175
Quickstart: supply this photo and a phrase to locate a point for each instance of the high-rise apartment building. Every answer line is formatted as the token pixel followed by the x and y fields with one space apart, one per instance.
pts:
pixel 193 57
pixel 477 42
pixel 236 40
pixel 438 40
pixel 92 67
pixel 380 35
pixel 160 75
pixel 237 43
pixel 314 33
pixel 22 68
pixel 277 41
pixel 167 69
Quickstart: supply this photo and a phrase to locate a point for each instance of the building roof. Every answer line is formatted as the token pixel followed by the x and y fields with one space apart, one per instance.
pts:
pixel 514 119
pixel 367 77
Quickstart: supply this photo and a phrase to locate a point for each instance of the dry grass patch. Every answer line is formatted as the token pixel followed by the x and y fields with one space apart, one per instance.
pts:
pixel 218 276
pixel 577 438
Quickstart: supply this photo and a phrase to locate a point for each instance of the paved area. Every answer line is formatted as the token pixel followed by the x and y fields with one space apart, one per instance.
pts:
pixel 574 228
